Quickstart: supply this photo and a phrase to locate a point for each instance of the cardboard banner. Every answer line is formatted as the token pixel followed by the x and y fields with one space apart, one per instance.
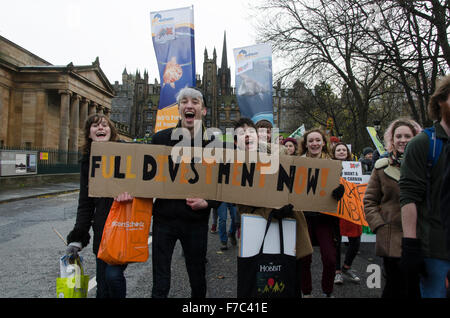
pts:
pixel 351 206
pixel 154 171
pixel 173 40
pixel 254 81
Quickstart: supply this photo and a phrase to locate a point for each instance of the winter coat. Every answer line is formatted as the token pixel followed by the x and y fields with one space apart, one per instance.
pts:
pixel 413 189
pixel 382 208
pixel 303 245
pixel 349 229
pixel 91 212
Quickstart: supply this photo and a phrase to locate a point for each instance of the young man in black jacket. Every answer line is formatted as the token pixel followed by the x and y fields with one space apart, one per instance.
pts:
pixel 187 219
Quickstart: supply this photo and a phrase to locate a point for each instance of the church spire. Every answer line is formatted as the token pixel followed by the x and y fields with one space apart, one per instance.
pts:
pixel 224 64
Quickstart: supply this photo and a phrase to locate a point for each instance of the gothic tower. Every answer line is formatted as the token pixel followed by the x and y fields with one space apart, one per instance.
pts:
pixel 209 83
pixel 224 76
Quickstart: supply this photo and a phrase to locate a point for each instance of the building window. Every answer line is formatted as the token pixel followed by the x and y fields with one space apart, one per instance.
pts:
pixel 222 116
pixel 233 115
pixel 149 115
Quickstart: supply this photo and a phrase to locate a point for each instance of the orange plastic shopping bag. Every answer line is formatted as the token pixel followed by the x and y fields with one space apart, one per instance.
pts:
pixel 125 235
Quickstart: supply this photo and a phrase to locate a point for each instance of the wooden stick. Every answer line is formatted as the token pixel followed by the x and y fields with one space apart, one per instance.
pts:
pixel 59 235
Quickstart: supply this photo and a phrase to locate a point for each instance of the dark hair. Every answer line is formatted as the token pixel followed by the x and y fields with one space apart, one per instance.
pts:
pixel 93 119
pixel 440 94
pixel 264 123
pixel 349 153
pixel 242 122
pixel 303 147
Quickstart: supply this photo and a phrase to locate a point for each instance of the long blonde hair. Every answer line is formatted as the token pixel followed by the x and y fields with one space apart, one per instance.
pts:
pixel 389 133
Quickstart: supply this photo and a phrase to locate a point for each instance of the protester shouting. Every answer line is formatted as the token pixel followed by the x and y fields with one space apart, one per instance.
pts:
pixel 93 212
pixel 352 230
pixel 321 227
pixel 423 244
pixel 382 209
pixel 185 220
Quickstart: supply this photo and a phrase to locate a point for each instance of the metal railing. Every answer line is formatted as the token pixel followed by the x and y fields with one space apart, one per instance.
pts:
pixel 52 161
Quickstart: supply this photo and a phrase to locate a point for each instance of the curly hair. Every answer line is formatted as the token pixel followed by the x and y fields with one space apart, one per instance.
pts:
pixel 304 150
pixel 92 119
pixel 389 133
pixel 440 94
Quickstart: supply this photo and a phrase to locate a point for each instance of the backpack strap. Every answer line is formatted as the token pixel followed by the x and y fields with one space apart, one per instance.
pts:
pixel 435 148
pixel 434 151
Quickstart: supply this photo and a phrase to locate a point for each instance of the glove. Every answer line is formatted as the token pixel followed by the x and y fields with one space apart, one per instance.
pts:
pixel 338 193
pixel 412 260
pixel 283 212
pixel 72 251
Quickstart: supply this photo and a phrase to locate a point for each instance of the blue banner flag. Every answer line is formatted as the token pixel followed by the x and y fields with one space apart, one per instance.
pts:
pixel 254 81
pixel 173 40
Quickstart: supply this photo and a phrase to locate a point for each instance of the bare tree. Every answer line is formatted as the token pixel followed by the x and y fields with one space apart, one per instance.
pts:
pixel 408 48
pixel 437 13
pixel 322 40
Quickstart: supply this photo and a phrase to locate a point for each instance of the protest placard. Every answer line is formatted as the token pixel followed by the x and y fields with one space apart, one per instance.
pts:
pixel 351 206
pixel 153 171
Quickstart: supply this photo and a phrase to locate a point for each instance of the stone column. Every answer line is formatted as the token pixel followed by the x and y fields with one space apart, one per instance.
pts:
pixel 64 124
pixel 84 110
pixel 100 109
pixel 74 128
pixel 92 108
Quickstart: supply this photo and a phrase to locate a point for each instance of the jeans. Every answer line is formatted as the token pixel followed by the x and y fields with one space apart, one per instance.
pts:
pixel 433 285
pixel 111 282
pixel 222 213
pixel 193 237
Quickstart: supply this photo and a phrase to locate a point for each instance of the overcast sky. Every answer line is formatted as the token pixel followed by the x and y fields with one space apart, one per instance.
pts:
pixel 119 32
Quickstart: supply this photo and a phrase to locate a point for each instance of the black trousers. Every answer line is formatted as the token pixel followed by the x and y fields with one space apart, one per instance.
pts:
pixel 352 251
pixel 398 284
pixel 193 237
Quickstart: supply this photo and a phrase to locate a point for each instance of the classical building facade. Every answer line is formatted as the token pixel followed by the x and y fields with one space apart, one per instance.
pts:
pixel 44 105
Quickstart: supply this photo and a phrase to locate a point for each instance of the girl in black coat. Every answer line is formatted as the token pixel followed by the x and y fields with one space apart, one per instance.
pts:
pixel 94 212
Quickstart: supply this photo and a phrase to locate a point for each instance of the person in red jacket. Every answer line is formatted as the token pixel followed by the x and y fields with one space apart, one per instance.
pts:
pixel 346 228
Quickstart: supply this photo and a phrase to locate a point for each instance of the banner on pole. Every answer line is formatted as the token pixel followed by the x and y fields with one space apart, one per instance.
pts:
pixel 173 41
pixel 299 132
pixel 373 135
pixel 254 81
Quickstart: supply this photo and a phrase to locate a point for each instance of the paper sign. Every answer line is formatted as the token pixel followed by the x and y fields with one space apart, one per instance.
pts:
pixel 252 234
pixel 352 171
pixel 152 171
pixel 351 206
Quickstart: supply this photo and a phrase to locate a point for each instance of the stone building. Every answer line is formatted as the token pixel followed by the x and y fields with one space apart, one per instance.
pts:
pixel 44 105
pixel 136 101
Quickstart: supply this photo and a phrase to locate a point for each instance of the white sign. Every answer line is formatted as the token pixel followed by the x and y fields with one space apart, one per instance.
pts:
pixel 352 171
pixel 252 234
